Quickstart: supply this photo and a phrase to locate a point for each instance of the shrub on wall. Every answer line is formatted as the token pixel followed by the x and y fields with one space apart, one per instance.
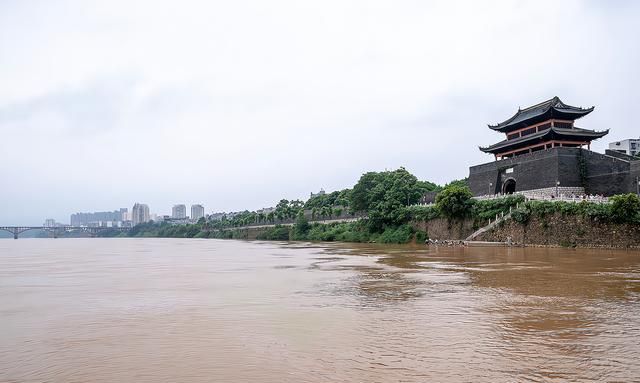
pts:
pixel 488 209
pixel 521 215
pixel 423 213
pixel 400 234
pixel 625 208
pixel 276 233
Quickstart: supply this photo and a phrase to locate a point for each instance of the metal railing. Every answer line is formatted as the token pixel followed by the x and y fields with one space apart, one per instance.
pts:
pixel 560 198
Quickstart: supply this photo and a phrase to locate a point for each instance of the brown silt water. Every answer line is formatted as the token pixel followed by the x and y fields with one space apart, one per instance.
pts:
pixel 173 310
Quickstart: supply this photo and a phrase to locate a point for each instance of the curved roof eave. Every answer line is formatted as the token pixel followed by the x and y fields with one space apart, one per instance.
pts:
pixel 562 131
pixel 543 107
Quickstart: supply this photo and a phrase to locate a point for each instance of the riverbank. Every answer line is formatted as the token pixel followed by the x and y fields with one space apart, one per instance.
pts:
pixel 384 208
pixel 550 230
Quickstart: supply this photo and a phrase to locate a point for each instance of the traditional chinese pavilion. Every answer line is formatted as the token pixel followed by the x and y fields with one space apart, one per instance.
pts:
pixel 544 155
pixel 543 126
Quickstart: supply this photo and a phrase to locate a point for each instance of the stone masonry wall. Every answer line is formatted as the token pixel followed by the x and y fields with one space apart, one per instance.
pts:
pixel 573 167
pixel 530 171
pixel 552 191
pixel 606 175
pixel 442 228
pixel 558 230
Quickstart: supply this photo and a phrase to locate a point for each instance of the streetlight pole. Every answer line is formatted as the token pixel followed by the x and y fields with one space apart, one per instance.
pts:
pixel 490 185
pixel 557 187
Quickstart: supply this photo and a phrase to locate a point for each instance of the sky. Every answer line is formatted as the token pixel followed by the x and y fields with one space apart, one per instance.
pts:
pixel 238 104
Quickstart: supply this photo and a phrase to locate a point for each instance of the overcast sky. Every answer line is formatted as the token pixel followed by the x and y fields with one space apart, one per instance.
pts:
pixel 236 104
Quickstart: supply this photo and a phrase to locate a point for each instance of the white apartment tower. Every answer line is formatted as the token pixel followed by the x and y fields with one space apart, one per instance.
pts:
pixel 139 213
pixel 197 212
pixel 179 211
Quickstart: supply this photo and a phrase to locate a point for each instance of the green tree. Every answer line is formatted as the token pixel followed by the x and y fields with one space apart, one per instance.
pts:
pixel 301 227
pixel 463 182
pixel 625 207
pixel 384 196
pixel 454 201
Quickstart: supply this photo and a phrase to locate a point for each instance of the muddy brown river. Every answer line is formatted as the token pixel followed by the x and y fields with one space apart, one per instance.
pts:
pixel 172 310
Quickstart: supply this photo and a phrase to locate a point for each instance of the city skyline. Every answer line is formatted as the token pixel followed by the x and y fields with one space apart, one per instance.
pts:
pixel 250 103
pixel 123 215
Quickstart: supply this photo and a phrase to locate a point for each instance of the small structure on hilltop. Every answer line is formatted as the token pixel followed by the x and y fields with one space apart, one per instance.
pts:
pixel 318 194
pixel 545 155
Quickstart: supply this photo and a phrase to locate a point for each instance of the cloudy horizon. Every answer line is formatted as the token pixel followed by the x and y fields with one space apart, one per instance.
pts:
pixel 237 105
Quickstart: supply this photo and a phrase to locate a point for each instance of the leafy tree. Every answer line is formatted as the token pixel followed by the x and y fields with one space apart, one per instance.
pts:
pixel 333 199
pixel 277 233
pixel 282 209
pixel 426 186
pixel 625 207
pixel 454 201
pixel 301 227
pixel 325 212
pixel 462 182
pixel 384 196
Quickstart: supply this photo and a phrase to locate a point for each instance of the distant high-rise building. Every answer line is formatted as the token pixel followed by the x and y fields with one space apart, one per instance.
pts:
pixel 197 212
pixel 179 211
pixel 50 222
pixel 98 218
pixel 139 213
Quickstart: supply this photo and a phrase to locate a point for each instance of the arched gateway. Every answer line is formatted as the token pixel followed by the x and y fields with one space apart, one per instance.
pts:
pixel 509 186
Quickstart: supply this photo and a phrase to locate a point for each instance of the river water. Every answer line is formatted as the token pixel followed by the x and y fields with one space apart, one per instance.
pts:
pixel 172 310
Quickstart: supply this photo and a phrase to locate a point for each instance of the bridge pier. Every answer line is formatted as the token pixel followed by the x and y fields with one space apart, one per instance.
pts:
pixel 15 235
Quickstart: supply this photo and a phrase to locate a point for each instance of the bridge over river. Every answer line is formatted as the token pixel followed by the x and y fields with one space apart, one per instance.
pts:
pixel 57 230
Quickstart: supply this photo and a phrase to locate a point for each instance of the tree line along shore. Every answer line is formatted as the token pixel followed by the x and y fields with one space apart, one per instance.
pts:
pixel 383 207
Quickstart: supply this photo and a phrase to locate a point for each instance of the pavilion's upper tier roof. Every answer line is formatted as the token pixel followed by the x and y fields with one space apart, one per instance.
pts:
pixel 560 134
pixel 553 108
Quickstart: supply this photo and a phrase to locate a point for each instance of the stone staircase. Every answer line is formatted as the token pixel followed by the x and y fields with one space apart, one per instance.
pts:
pixel 499 219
